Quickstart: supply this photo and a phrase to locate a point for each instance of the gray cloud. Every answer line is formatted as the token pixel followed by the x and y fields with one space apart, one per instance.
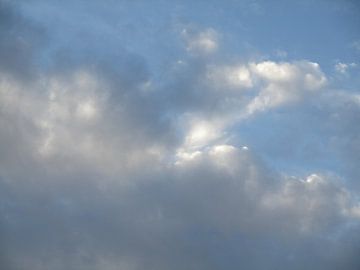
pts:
pixel 183 213
pixel 105 164
pixel 20 38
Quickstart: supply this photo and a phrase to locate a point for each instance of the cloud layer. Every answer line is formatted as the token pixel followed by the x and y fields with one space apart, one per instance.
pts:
pixel 110 159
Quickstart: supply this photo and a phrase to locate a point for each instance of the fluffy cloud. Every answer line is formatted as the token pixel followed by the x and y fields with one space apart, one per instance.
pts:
pixel 285 83
pixel 237 92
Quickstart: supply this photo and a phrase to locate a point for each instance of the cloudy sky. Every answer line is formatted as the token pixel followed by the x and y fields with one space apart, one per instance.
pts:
pixel 173 135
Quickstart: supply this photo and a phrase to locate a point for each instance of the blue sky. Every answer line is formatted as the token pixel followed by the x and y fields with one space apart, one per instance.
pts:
pixel 179 134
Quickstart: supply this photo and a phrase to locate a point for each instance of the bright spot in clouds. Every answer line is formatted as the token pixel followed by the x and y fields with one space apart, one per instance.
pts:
pixel 203 42
pixel 86 110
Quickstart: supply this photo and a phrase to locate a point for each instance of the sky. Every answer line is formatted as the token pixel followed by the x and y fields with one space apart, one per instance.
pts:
pixel 172 135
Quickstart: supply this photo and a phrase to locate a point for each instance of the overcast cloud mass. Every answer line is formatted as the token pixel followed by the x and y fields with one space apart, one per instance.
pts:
pixel 173 135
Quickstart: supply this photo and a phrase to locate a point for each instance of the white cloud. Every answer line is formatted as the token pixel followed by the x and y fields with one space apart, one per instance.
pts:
pixel 275 72
pixel 238 77
pixel 201 133
pixel 342 68
pixel 285 83
pixel 269 84
pixel 204 42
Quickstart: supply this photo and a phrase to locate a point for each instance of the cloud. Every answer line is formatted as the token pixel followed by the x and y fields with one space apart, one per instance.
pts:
pixel 356 45
pixel 202 42
pixel 107 164
pixel 223 192
pixel 235 93
pixel 285 83
pixel 92 191
pixel 272 84
pixel 343 67
pixel 237 77
pixel 19 40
